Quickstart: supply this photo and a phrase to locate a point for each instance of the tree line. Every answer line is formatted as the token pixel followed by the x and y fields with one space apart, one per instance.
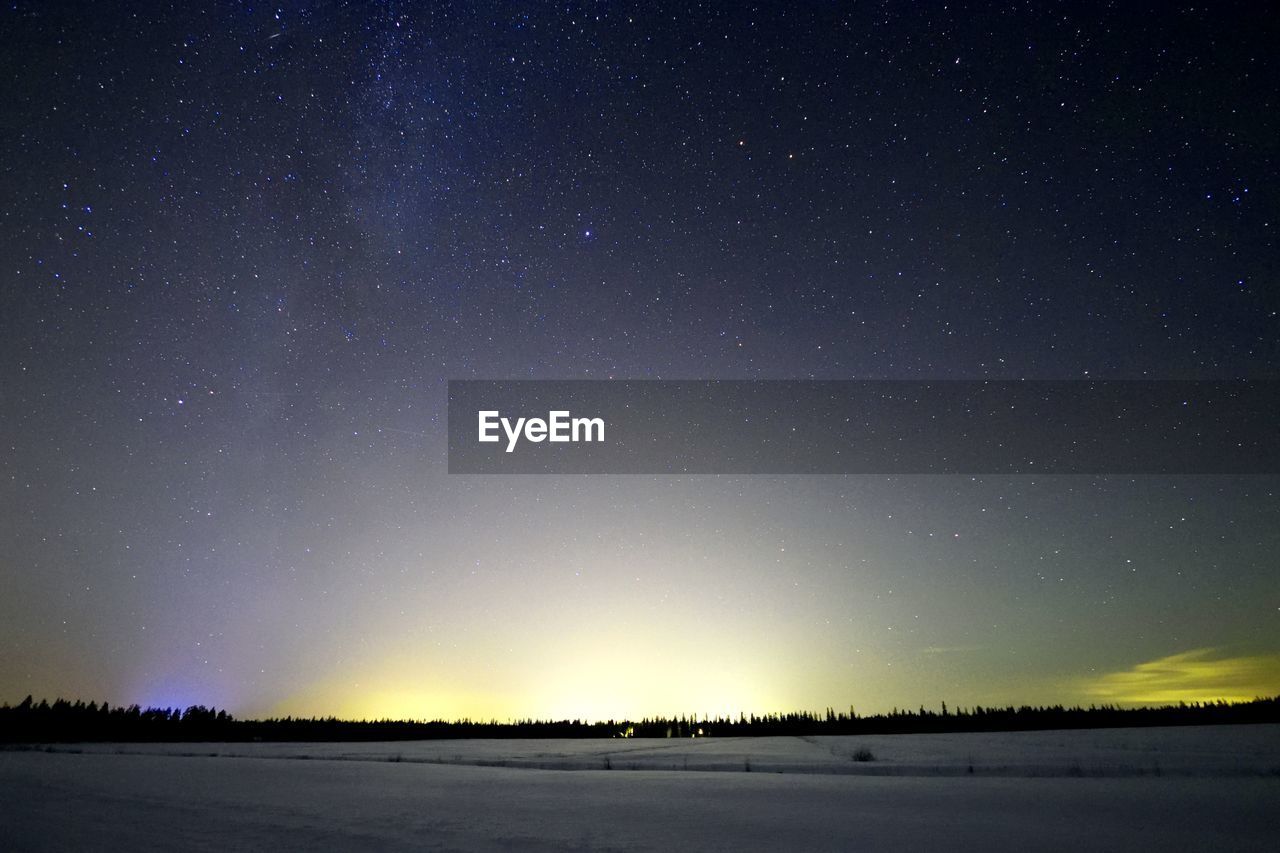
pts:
pixel 64 721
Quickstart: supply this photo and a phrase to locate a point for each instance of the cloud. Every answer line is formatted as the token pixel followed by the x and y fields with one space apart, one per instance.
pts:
pixel 1198 675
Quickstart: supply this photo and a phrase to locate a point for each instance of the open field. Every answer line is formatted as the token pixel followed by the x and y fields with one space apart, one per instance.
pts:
pixel 1176 788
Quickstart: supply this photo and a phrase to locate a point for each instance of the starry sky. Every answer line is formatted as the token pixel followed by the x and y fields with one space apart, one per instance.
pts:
pixel 244 248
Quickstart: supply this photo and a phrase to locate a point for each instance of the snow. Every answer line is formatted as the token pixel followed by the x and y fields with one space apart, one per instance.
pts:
pixel 1176 788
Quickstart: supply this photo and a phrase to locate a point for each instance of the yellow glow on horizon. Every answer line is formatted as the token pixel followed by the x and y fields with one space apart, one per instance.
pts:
pixel 1192 676
pixel 601 685
pixel 586 693
pixel 382 700
pixel 611 677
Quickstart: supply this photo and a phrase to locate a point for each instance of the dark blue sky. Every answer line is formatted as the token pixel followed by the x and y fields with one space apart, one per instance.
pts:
pixel 244 248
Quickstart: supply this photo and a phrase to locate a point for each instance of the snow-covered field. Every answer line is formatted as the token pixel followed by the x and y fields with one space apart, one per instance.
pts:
pixel 1202 788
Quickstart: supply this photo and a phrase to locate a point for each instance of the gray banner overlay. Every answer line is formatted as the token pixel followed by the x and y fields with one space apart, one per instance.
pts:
pixel 865 427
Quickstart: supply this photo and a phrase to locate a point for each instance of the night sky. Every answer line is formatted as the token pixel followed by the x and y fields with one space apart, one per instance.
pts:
pixel 244 249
